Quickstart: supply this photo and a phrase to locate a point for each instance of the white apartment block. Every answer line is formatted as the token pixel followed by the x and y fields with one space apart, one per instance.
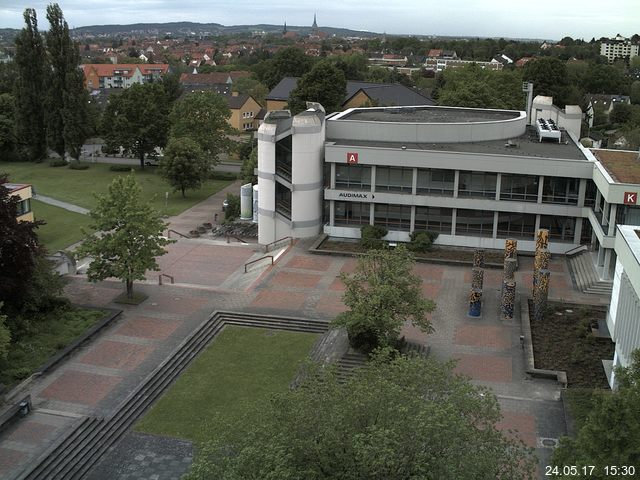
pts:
pixel 618 47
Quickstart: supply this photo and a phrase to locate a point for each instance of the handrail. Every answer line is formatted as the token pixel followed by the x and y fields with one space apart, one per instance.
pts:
pixel 257 260
pixel 266 247
pixel 174 231
pixel 165 275
pixel 235 238
pixel 575 250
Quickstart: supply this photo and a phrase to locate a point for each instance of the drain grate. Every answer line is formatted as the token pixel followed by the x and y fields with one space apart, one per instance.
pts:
pixel 544 442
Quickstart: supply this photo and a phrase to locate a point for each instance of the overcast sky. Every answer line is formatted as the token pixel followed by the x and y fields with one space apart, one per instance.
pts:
pixel 487 18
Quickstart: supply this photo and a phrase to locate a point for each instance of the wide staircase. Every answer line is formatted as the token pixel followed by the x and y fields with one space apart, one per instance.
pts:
pixel 74 455
pixel 585 275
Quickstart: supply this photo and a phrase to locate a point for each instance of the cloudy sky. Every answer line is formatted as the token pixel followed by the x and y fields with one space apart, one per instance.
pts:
pixel 490 18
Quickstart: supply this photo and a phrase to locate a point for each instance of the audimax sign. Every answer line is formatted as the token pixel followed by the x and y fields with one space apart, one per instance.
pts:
pixel 358 195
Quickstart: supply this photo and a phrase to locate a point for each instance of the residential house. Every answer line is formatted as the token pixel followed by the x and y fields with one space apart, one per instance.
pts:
pixel 358 94
pixel 244 110
pixel 503 59
pixel 521 62
pixel 618 47
pixel 99 76
pixel 24 193
pixel 604 104
pixel 440 64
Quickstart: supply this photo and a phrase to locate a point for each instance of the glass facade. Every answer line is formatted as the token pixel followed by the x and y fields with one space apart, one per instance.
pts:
pixel 283 200
pixel 628 215
pixel 393 217
pixel 560 190
pixel 523 188
pixel 351 213
pixel 477 223
pixel 434 219
pixel 394 179
pixel 435 181
pixel 283 158
pixel 477 184
pixel 357 177
pixel 516 225
pixel 560 229
pixel 590 194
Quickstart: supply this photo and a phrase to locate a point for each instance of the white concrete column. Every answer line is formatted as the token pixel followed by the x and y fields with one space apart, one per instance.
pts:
pixel 332 212
pixel 413 218
pixel 494 233
pixel 332 181
pixel 577 231
pixel 613 209
pixel 371 214
pixel 537 225
pixel 498 187
pixel 582 192
pixel 540 188
pixel 607 264
pixel 454 214
pixel 373 179
pixel 456 183
pixel 414 182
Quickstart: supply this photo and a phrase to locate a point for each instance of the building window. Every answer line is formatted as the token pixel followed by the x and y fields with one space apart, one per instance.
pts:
pixel 560 190
pixel 517 225
pixel 353 177
pixel 394 179
pixel 476 223
pixel 477 184
pixel 590 194
pixel 283 201
pixel 560 228
pixel 434 219
pixel 627 215
pixel 351 213
pixel 393 217
pixel 435 181
pixel 519 187
pixel 283 158
pixel 23 207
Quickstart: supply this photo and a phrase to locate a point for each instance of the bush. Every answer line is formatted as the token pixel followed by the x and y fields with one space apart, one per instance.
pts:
pixel 58 162
pixel 121 168
pixel 371 236
pixel 78 166
pixel 233 210
pixel 421 241
pixel 223 176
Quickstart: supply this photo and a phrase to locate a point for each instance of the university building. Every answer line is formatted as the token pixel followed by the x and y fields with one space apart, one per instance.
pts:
pixel 475 176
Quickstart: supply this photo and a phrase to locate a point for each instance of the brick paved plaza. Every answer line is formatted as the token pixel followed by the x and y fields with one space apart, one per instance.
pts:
pixel 95 379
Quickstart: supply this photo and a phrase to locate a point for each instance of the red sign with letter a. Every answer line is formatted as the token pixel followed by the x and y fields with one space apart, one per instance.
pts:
pixel 630 198
pixel 352 158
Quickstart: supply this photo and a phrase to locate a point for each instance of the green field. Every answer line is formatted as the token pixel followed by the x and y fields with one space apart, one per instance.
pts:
pixel 79 186
pixel 241 366
pixel 62 228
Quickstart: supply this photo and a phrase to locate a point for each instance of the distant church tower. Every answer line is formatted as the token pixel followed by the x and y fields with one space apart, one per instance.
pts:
pixel 284 31
pixel 314 27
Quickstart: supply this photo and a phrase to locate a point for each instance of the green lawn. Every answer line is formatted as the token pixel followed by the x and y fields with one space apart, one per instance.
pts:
pixel 242 365
pixel 62 228
pixel 78 186
pixel 46 334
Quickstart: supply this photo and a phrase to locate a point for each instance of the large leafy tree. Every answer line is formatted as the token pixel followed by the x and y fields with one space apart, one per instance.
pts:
pixel 381 295
pixel 287 62
pixel 549 77
pixel 7 122
pixel 137 119
pixel 130 235
pixel 66 100
pixel 184 166
pixel 202 117
pixel 325 84
pixel 395 419
pixel 610 435
pixel 29 89
pixel 473 86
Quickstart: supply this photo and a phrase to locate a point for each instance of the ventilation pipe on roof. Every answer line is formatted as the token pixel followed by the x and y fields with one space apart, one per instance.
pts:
pixel 527 87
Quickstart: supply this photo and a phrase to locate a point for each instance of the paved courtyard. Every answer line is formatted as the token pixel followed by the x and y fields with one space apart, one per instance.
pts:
pixel 210 276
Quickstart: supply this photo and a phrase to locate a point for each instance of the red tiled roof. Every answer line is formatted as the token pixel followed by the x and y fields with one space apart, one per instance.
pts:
pixel 109 69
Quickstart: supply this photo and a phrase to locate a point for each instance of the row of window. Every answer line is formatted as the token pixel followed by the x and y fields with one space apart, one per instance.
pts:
pixel 24 206
pixel 247 114
pixel 468 222
pixel 470 184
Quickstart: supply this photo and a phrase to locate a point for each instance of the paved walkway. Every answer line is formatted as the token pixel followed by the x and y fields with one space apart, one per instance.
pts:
pixel 59 203
pixel 210 277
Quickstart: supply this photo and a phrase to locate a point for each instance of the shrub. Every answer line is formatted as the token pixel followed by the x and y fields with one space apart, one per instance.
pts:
pixel 421 241
pixel 233 210
pixel 58 162
pixel 78 166
pixel 223 176
pixel 371 236
pixel 121 168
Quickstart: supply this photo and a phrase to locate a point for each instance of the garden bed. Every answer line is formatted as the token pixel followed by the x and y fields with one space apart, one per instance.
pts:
pixel 439 254
pixel 563 340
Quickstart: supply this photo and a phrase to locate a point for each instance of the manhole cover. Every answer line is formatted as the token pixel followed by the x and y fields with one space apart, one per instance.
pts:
pixel 547 442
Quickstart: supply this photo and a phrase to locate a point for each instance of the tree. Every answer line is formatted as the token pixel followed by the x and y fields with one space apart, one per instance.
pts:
pixel 29 89
pixel 605 79
pixel 610 435
pixel 473 86
pixel 394 419
pixel 288 62
pixel 634 92
pixel 202 116
pixel 7 121
pixel 381 295
pixel 325 84
pixel 249 154
pixel 549 77
pixel 5 336
pixel 621 113
pixel 251 87
pixel 137 119
pixel 130 235
pixel 67 100
pixel 184 166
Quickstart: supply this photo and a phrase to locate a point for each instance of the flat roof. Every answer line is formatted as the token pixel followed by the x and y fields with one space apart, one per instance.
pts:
pixel 526 145
pixel 428 114
pixel 622 165
pixel 14 187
